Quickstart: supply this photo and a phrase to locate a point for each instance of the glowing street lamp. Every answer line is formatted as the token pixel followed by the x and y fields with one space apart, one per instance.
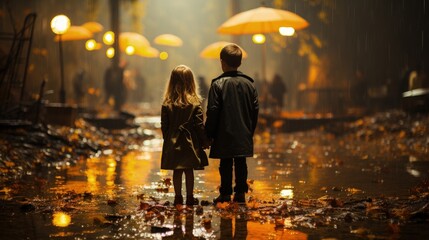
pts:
pixel 110 52
pixel 258 38
pixel 287 31
pixel 109 38
pixel 130 50
pixel 59 25
pixel 90 45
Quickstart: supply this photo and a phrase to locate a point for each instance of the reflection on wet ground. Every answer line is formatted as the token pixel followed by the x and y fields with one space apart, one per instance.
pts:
pixel 303 186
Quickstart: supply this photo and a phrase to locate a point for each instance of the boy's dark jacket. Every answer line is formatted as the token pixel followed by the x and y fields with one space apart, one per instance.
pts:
pixel 232 115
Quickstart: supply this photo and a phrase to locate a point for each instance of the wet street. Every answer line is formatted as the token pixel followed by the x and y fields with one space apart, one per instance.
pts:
pixel 353 181
pixel 341 148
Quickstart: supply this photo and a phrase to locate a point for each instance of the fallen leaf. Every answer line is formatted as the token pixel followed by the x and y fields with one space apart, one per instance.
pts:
pixel 221 205
pixel 207 223
pixel 279 222
pixel 360 231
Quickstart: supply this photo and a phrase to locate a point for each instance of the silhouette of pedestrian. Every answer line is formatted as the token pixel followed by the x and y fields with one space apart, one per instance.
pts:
pixel 277 89
pixel 79 86
pixel 114 86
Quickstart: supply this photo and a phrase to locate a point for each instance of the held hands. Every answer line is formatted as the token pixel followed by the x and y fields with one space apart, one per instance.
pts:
pixel 207 144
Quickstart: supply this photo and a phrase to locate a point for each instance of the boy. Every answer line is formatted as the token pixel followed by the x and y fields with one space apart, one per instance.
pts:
pixel 232 115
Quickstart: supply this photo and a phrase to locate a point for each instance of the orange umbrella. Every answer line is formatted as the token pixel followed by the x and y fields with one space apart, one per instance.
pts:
pixel 93 27
pixel 132 39
pixel 213 50
pixel 75 33
pixel 168 40
pixel 148 52
pixel 261 20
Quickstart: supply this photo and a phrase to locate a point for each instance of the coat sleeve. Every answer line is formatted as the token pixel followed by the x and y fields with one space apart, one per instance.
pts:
pixel 255 109
pixel 213 109
pixel 199 127
pixel 164 121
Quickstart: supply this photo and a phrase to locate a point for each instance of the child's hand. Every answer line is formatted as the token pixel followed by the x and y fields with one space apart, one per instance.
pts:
pixel 207 144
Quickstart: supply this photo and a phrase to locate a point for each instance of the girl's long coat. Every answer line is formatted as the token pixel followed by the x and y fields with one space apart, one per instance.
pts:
pixel 184 136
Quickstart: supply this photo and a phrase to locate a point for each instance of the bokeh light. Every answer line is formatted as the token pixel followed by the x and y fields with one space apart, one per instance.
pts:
pixel 109 38
pixel 60 24
pixel 287 31
pixel 130 50
pixel 61 219
pixel 90 45
pixel 258 38
pixel 110 53
pixel 163 55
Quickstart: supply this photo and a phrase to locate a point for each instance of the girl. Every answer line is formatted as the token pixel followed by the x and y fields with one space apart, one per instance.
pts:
pixel 183 132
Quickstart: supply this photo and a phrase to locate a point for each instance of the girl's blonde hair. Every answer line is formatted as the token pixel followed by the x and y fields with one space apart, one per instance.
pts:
pixel 182 89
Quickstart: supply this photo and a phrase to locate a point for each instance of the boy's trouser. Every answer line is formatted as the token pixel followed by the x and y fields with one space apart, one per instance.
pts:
pixel 240 171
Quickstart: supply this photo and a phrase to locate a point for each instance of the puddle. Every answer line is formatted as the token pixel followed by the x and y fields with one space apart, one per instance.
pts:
pixel 101 197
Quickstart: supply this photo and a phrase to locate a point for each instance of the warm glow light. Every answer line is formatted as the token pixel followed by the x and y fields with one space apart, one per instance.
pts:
pixel 110 53
pixel 110 174
pixel 109 38
pixel 163 55
pixel 111 163
pixel 287 31
pixel 91 177
pixel 258 38
pixel 288 223
pixel 90 44
pixel 134 171
pixel 60 24
pixel 144 156
pixel 92 169
pixel 130 50
pixel 287 193
pixel 61 219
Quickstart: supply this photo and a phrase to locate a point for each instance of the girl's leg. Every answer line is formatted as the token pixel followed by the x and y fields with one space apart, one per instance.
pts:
pixel 177 184
pixel 189 177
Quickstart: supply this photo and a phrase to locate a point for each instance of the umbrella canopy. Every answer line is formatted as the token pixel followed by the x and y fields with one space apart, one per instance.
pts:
pixel 132 39
pixel 261 20
pixel 213 50
pixel 168 40
pixel 75 33
pixel 93 27
pixel 147 52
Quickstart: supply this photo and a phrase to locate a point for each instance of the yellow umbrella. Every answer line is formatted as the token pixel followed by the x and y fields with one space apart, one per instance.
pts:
pixel 213 50
pixel 261 20
pixel 93 27
pixel 148 52
pixel 168 40
pixel 75 33
pixel 132 39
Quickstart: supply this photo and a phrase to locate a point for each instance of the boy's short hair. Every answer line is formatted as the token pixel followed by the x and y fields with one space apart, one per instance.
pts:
pixel 231 54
